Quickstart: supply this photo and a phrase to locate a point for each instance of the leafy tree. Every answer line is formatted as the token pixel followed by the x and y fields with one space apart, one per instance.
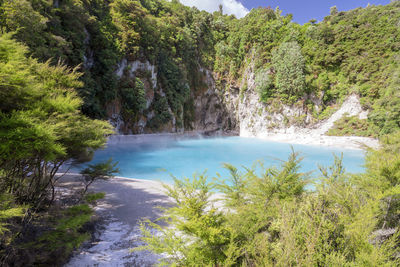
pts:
pixel 334 10
pixel 162 114
pixel 176 88
pixel 21 17
pixel 134 98
pixel 288 63
pixel 43 129
pixel 126 15
pixel 386 113
pixel 100 171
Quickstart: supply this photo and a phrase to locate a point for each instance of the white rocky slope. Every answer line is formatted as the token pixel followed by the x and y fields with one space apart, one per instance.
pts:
pixel 255 121
pixel 351 106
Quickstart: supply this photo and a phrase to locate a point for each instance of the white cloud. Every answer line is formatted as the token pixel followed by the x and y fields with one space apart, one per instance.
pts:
pixel 229 6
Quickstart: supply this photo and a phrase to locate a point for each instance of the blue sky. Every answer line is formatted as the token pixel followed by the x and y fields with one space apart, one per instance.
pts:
pixel 302 11
pixel 305 10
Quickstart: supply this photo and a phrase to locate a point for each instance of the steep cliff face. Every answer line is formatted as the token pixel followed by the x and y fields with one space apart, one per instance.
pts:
pixel 214 110
pixel 223 108
pixel 253 117
pixel 138 123
pixel 210 110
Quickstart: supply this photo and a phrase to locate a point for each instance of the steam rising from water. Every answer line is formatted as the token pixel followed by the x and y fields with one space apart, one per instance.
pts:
pixel 156 157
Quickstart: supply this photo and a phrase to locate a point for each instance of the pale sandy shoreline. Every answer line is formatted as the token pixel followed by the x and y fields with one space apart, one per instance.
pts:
pixel 127 202
pixel 153 185
pixel 343 142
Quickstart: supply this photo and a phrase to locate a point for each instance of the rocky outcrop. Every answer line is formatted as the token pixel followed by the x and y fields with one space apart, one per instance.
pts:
pixel 137 66
pixel 124 123
pixel 213 110
pixel 88 58
pixel 257 121
pixel 257 118
pixel 113 110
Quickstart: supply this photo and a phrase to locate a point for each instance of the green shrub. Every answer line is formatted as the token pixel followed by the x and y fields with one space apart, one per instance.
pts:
pixel 99 171
pixel 162 114
pixel 133 96
pixel 352 126
pixel 93 197
pixel 326 113
pixel 68 233
pixel 264 84
pixel 8 210
pixel 267 217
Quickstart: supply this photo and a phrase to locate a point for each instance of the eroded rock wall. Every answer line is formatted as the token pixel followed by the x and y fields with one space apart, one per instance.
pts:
pixel 212 110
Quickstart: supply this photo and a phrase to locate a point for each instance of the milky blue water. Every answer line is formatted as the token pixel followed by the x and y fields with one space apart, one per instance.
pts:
pixel 157 157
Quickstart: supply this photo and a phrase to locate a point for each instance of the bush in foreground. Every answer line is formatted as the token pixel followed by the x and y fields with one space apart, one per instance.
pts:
pixel 272 220
pixel 41 128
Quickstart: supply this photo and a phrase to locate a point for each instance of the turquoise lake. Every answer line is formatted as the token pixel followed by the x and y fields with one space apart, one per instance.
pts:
pixel 156 157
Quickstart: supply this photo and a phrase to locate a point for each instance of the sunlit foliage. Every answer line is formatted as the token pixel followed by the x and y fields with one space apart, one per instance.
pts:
pixel 269 218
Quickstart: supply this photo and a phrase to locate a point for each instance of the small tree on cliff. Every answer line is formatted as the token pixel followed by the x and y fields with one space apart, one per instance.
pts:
pixel 289 65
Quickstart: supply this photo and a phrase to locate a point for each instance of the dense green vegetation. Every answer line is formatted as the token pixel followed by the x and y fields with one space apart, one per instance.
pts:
pixel 41 128
pixel 51 34
pixel 176 38
pixel 269 218
pixel 289 67
pixel 352 126
pixel 59 74
pixel 348 52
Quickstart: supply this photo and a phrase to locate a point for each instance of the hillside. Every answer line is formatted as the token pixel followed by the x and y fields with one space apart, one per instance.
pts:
pixel 158 66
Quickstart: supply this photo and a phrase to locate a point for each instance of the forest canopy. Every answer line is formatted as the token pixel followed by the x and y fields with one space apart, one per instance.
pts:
pixel 348 52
